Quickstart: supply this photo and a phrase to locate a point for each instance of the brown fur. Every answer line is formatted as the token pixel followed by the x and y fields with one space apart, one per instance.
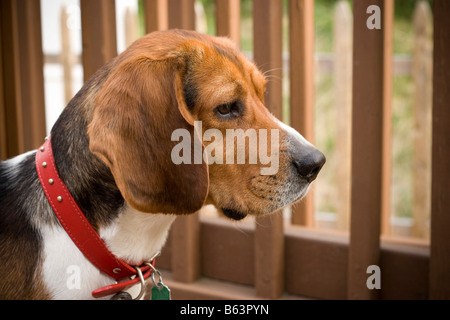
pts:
pixel 145 99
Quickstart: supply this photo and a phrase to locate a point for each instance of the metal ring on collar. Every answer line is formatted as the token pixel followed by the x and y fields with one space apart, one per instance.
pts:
pixel 141 278
pixel 159 283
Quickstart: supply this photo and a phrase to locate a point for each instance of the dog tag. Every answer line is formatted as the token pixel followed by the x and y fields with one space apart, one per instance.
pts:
pixel 161 292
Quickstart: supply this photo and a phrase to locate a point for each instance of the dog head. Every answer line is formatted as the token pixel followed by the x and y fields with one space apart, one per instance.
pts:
pixel 180 120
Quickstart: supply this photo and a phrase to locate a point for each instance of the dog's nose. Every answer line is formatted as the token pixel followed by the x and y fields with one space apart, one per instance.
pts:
pixel 309 165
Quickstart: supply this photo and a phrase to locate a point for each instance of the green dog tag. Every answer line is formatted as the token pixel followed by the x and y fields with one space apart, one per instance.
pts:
pixel 160 292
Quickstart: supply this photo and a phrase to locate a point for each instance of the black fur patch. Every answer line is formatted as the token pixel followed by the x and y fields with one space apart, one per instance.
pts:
pixel 20 243
pixel 190 94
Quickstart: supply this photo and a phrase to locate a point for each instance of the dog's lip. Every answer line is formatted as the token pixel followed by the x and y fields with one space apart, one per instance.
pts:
pixel 234 214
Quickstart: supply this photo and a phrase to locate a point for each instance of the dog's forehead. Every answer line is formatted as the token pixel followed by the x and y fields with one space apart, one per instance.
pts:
pixel 246 68
pixel 231 54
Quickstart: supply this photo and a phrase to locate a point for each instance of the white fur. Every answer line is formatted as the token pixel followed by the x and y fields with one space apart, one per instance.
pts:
pixel 293 133
pixel 67 273
pixel 137 236
pixel 12 164
pixel 133 236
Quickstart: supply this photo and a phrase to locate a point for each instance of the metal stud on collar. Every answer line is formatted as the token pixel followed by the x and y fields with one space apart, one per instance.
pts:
pixel 117 270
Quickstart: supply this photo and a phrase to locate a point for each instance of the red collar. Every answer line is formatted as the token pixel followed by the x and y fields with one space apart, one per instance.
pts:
pixel 81 231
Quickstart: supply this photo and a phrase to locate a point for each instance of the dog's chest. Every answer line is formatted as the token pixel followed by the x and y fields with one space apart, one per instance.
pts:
pixel 133 237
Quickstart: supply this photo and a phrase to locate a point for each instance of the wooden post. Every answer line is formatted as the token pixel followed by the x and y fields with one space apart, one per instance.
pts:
pixel 269 238
pixel 386 168
pixel 440 186
pixel 3 138
pixel 32 72
pixel 3 131
pixel 185 253
pixel 228 19
pixel 367 147
pixel 98 29
pixel 67 57
pixel 182 14
pixel 12 113
pixel 343 46
pixel 156 15
pixel 131 27
pixel 423 91
pixel 301 46
pixel 23 106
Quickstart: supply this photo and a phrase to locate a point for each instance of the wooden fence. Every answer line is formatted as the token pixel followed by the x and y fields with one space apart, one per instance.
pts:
pixel 206 257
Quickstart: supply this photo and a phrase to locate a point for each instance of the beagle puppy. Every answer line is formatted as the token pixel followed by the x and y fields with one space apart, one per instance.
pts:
pixel 112 147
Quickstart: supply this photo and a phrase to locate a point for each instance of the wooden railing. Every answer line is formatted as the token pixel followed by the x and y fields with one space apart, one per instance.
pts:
pixel 337 64
pixel 208 257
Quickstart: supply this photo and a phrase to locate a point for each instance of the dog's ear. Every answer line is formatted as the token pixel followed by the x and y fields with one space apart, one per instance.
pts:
pixel 137 110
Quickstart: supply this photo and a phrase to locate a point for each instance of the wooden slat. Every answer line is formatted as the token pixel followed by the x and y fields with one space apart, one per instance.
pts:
pixel 182 14
pixel 440 201
pixel 11 79
pixel 301 44
pixel 423 98
pixel 399 263
pixel 386 168
pixel 267 45
pixel 343 44
pixel 269 241
pixel 23 83
pixel 32 72
pixel 66 56
pixel 228 19
pixel 185 242
pixel 227 251
pixel 156 15
pixel 131 27
pixel 316 264
pixel 3 139
pixel 98 30
pixel 367 137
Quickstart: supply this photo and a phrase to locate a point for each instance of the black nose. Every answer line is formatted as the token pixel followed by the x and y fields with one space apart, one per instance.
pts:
pixel 309 165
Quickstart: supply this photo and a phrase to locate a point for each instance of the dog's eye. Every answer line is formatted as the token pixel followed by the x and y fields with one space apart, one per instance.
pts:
pixel 224 109
pixel 229 110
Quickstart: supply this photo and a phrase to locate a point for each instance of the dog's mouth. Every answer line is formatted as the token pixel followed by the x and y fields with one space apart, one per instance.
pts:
pixel 234 214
